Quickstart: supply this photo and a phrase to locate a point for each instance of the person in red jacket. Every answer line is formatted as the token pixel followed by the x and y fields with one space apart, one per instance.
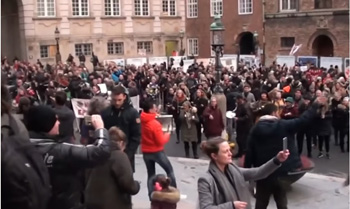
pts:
pixel 152 145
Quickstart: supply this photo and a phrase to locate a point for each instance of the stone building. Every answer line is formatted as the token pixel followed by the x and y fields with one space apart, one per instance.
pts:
pixel 241 19
pixel 109 28
pixel 321 26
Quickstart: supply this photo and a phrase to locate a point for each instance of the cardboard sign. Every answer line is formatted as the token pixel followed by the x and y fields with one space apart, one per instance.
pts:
pixel 157 60
pixel 115 61
pixel 326 62
pixel 136 61
pixel 288 60
pixel 80 107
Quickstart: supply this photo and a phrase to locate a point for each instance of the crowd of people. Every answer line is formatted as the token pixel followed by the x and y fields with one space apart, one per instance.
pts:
pixel 111 134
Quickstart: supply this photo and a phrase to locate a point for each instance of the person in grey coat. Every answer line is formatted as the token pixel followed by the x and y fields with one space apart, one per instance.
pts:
pixel 224 184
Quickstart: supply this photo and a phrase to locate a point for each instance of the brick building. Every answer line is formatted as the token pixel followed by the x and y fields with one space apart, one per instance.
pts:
pixel 321 26
pixel 241 19
pixel 109 28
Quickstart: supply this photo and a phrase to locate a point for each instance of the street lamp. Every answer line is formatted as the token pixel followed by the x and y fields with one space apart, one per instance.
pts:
pixel 182 34
pixel 256 43
pixel 217 43
pixel 58 54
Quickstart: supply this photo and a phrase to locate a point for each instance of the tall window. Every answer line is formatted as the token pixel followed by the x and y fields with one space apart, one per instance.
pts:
pixel 141 7
pixel 147 45
pixel 112 7
pixel 48 51
pixel 192 46
pixel 245 7
pixel 216 7
pixel 169 6
pixel 288 5
pixel 86 49
pixel 323 4
pixel 287 42
pixel 46 8
pixel 80 7
pixel 192 8
pixel 115 48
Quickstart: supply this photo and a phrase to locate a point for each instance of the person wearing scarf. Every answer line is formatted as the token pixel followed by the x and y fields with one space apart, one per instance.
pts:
pixel 224 184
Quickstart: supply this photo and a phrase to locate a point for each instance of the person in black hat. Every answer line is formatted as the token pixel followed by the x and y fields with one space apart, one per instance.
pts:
pixel 66 162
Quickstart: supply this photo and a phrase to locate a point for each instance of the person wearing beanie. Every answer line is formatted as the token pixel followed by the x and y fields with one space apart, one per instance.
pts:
pixel 66 162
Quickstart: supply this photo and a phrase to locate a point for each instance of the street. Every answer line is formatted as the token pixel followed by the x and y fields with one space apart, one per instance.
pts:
pixel 337 166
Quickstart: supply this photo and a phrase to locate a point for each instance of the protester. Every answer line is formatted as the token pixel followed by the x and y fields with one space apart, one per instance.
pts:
pixel 112 183
pixel 189 119
pixel 66 162
pixel 224 185
pixel 213 121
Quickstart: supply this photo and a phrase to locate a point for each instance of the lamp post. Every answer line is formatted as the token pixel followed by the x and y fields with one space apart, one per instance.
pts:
pixel 58 54
pixel 182 34
pixel 256 43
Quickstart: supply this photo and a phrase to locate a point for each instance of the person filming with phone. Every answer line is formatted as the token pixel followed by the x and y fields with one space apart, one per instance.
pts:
pixel 266 140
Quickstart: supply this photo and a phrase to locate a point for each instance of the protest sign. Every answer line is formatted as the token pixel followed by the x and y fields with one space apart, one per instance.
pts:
pixel 136 61
pixel 289 61
pixel 307 60
pixel 229 62
pixel 187 64
pixel 157 60
pixel 103 88
pixel 326 62
pixel 115 61
pixel 136 102
pixel 248 60
pixel 205 61
pixel 80 107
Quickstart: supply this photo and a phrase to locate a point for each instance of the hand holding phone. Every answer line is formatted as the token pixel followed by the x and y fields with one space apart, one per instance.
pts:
pixel 285 144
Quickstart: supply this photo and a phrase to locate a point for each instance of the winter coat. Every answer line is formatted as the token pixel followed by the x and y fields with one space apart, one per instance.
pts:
pixel 111 184
pixel 188 126
pixel 200 104
pixel 336 117
pixel 66 117
pixel 342 114
pixel 128 120
pixel 152 137
pixel 165 199
pixel 289 112
pixel 213 127
pixel 67 163
pixel 265 140
pixel 323 125
pixel 250 97
pixel 245 118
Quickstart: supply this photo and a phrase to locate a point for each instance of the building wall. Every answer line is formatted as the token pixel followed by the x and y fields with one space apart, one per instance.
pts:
pixel 99 29
pixel 234 23
pixel 306 24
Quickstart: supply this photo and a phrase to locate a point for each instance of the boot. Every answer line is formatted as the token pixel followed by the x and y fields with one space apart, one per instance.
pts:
pixel 194 149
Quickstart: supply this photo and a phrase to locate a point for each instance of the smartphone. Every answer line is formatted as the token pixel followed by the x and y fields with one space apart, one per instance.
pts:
pixel 285 144
pixel 87 120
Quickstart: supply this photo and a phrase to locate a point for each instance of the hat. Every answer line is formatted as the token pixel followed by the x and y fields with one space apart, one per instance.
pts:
pixel 41 119
pixel 289 99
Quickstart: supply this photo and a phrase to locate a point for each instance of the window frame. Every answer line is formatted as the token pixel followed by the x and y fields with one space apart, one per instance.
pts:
pixel 141 9
pixel 191 48
pixel 245 13
pixel 114 48
pixel 144 46
pixel 331 5
pixel 110 3
pixel 190 3
pixel 212 12
pixel 285 38
pixel 289 4
pixel 80 6
pixel 82 48
pixel 169 7
pixel 46 8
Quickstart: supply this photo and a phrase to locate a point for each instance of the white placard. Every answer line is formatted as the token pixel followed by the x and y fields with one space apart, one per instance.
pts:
pixel 187 64
pixel 248 59
pixel 326 62
pixel 157 60
pixel 136 61
pixel 206 61
pixel 80 107
pixel 230 55
pixel 103 88
pixel 177 60
pixel 288 60
pixel 306 60
pixel 115 61
pixel 229 62
pixel 136 102
pixel 303 68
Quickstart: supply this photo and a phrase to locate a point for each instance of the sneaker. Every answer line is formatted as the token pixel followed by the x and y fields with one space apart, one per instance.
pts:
pixel 320 155
pixel 327 156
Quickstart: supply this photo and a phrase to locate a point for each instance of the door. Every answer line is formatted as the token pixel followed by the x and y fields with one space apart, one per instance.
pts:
pixel 171 46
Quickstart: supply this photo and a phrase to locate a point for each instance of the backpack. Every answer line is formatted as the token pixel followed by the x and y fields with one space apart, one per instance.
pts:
pixel 25 179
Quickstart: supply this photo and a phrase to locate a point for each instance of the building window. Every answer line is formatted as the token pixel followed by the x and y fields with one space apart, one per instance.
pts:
pixel 245 7
pixel 192 47
pixel 80 7
pixel 86 49
pixel 146 45
pixel 48 51
pixel 169 7
pixel 141 7
pixel 216 7
pixel 287 42
pixel 112 7
pixel 288 5
pixel 115 48
pixel 46 8
pixel 323 4
pixel 192 8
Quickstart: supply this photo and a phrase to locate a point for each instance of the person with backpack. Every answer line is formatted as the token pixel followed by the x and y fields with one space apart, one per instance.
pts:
pixel 25 178
pixel 66 162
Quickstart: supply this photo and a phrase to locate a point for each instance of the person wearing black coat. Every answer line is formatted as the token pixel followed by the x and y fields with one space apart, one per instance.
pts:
pixel 342 113
pixel 323 123
pixel 335 120
pixel 201 102
pixel 66 162
pixel 123 115
pixel 306 131
pixel 266 140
